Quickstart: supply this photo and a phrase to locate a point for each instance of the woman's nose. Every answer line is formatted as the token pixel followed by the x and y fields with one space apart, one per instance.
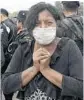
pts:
pixel 43 25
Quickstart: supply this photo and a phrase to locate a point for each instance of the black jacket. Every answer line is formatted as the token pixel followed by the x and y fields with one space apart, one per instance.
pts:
pixel 72 27
pixel 22 37
pixel 12 29
pixel 7 36
pixel 66 59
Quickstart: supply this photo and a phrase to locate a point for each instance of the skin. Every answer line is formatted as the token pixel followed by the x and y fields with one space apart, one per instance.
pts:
pixel 42 55
pixel 68 13
pixel 19 26
pixel 3 17
pixel 0 18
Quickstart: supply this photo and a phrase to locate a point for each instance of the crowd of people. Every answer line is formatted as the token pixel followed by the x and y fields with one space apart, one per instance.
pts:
pixel 42 53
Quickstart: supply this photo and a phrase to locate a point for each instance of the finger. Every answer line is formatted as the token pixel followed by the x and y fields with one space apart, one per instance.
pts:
pixel 43 50
pixel 46 51
pixel 37 52
pixel 40 49
pixel 40 52
pixel 44 54
pixel 43 57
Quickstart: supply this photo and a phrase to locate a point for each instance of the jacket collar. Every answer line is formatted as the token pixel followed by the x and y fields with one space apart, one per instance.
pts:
pixel 57 52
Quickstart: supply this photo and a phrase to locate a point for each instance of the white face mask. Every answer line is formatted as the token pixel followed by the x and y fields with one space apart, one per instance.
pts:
pixel 44 36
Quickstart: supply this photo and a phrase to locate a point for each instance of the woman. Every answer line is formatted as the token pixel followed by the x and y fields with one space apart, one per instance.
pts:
pixel 45 69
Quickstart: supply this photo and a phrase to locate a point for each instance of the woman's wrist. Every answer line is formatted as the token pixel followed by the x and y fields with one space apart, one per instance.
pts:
pixel 36 70
pixel 44 69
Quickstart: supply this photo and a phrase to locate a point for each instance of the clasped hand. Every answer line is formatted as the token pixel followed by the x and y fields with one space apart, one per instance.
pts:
pixel 41 59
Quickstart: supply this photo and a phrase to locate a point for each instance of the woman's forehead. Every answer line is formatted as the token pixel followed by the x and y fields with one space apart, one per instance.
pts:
pixel 45 14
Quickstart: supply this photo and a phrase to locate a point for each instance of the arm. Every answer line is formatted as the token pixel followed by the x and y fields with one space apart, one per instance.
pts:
pixel 53 76
pixel 71 85
pixel 14 79
pixel 11 79
pixel 50 74
pixel 28 75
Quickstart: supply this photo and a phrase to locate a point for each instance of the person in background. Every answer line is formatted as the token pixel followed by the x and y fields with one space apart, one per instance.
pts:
pixel 72 24
pixel 8 23
pixel 7 36
pixel 50 68
pixel 22 33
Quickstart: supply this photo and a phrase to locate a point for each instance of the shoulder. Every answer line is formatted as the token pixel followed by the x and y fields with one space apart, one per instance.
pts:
pixel 68 44
pixel 26 47
pixel 73 49
pixel 10 24
pixel 63 42
pixel 71 44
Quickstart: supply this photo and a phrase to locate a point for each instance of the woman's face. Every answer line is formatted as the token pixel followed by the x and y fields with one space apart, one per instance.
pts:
pixel 45 30
pixel 45 20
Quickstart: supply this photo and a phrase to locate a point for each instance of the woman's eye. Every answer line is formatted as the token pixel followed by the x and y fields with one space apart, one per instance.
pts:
pixel 50 23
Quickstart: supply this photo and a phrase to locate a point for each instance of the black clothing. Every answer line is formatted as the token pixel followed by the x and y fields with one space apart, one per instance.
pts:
pixel 4 47
pixel 21 17
pixel 67 60
pixel 2 57
pixel 72 27
pixel 21 38
pixel 7 36
pixel 4 37
pixel 8 23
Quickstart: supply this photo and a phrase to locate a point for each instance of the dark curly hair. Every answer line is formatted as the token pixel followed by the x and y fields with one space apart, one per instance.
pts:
pixel 35 10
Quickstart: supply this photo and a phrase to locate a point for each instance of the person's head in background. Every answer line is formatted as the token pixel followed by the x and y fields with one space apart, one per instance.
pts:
pixel 41 20
pixel 21 17
pixel 3 14
pixel 70 7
